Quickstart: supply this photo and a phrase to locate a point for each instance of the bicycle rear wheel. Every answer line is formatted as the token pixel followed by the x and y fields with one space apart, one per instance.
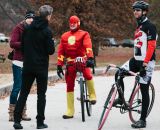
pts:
pixel 88 103
pixel 107 106
pixel 82 98
pixel 136 103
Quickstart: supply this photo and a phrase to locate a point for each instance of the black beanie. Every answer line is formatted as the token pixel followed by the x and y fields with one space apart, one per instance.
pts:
pixel 30 14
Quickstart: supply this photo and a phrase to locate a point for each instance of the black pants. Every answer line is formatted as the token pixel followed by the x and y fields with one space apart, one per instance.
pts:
pixel 135 66
pixel 28 78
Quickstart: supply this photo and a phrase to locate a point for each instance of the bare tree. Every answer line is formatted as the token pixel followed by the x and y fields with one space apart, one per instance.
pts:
pixel 4 11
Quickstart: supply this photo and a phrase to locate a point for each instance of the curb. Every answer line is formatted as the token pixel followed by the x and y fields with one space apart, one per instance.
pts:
pixel 6 89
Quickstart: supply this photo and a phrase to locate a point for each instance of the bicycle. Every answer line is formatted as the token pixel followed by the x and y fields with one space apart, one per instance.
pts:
pixel 84 97
pixel 133 105
pixel 80 65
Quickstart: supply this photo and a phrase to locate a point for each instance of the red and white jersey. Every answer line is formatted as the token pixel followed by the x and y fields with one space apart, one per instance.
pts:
pixel 145 41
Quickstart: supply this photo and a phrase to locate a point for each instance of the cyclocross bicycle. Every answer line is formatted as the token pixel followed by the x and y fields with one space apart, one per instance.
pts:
pixel 133 105
pixel 84 97
pixel 80 65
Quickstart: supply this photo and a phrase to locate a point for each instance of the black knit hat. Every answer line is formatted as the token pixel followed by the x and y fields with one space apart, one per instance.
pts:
pixel 30 14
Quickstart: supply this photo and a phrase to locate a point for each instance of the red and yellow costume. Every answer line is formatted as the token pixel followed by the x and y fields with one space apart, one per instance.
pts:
pixel 75 44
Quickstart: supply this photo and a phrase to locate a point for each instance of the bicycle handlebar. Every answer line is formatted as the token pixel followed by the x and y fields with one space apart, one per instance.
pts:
pixel 115 66
pixel 73 64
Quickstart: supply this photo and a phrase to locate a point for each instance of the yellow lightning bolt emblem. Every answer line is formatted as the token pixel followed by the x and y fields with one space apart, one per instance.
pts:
pixel 61 57
pixel 69 59
pixel 88 50
pixel 71 40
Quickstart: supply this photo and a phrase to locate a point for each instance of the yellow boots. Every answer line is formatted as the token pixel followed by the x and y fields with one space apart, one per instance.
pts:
pixel 91 91
pixel 11 113
pixel 70 106
pixel 70 99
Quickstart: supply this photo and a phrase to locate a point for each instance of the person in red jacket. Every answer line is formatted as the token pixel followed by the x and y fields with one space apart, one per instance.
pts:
pixel 17 63
pixel 75 43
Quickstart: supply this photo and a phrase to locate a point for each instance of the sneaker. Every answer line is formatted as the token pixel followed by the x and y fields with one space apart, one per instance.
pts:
pixel 117 101
pixel 17 126
pixel 67 117
pixel 139 124
pixel 93 102
pixel 42 126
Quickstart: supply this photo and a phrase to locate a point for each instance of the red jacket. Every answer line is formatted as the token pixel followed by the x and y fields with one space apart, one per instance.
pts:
pixel 74 44
pixel 15 42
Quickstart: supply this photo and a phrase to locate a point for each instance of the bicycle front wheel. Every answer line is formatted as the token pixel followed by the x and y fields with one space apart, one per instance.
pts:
pixel 107 106
pixel 82 99
pixel 136 103
pixel 88 103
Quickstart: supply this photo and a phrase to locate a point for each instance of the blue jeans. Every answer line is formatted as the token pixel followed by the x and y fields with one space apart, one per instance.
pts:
pixel 17 79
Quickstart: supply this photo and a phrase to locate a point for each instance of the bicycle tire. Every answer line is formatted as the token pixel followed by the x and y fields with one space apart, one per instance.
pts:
pixel 139 101
pixel 88 103
pixel 82 99
pixel 107 106
pixel 151 99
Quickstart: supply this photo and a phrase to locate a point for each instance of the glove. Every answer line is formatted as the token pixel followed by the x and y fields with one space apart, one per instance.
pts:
pixel 142 71
pixel 90 62
pixel 60 71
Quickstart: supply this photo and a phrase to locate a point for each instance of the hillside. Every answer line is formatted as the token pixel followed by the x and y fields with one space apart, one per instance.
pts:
pixel 102 18
pixel 11 12
pixel 99 17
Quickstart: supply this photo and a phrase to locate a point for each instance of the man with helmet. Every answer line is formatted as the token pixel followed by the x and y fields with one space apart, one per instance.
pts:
pixel 74 44
pixel 145 38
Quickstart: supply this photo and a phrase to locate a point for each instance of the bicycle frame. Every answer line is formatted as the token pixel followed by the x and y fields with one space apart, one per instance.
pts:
pixel 84 96
pixel 119 89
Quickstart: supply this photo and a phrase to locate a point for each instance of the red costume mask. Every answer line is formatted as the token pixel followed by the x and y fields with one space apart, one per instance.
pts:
pixel 74 23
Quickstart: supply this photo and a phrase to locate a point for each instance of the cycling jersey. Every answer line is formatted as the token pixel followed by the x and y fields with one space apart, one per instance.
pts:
pixel 136 65
pixel 145 41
